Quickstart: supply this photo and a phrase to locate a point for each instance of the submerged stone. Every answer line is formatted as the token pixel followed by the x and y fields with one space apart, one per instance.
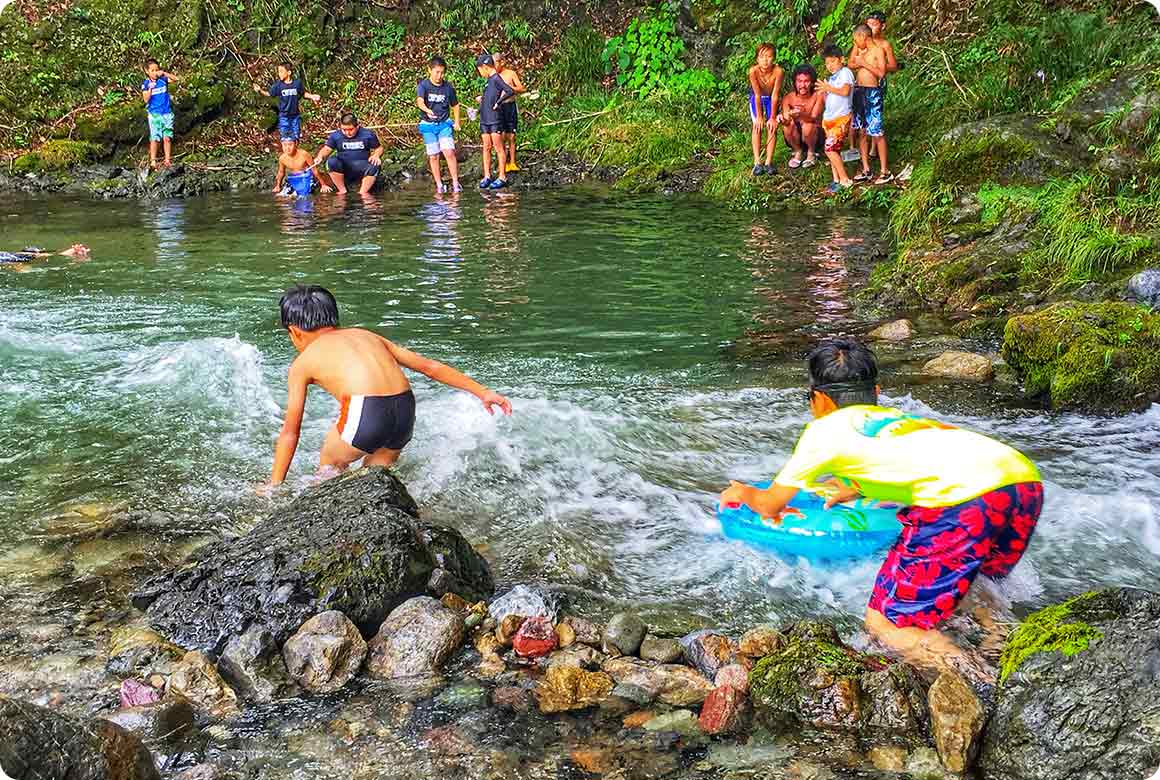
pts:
pixel 252 664
pixel 564 688
pixel 325 653
pixel 624 634
pixel 961 365
pixel 671 684
pixel 526 601
pixel 415 639
pixel 663 651
pixel 169 719
pixel 197 679
pixel 353 543
pixel 898 330
pixel 709 652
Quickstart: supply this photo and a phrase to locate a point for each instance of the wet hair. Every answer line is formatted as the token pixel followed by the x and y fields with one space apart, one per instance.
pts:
pixel 877 15
pixel 845 370
pixel 805 69
pixel 832 51
pixel 308 307
pixel 152 62
pixel 864 29
pixel 766 46
pixel 348 119
pixel 436 62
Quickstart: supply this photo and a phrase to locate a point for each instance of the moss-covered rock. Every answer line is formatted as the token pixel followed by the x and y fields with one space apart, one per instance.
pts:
pixel 121 123
pixel 1052 629
pixel 1095 356
pixel 57 155
pixel 1004 149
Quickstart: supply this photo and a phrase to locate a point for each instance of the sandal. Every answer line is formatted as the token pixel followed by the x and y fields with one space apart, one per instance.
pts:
pixel 884 178
pixel 794 162
pixel 863 177
pixel 809 162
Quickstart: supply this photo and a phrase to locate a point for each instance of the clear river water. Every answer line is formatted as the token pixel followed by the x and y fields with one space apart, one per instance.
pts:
pixel 651 347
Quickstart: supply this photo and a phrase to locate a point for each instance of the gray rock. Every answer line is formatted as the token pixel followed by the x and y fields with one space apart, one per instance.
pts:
pixel 966 209
pixel 253 667
pixel 671 684
pixel 624 634
pixel 526 601
pixel 352 543
pixel 682 722
pixel 634 693
pixel 708 652
pixel 40 743
pixel 415 639
pixel 966 366
pixel 586 631
pixel 1145 287
pixel 462 696
pixel 199 772
pixel 1139 114
pixel 663 651
pixel 898 330
pixel 325 653
pixel 578 655
pixel 198 680
pixel 1090 713
pixel 1017 151
pixel 167 720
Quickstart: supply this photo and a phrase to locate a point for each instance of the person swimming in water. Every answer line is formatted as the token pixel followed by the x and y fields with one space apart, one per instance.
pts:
pixel 29 254
pixel 296 167
pixel 364 371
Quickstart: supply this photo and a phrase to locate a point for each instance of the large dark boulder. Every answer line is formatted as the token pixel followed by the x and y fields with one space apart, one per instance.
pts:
pixel 352 544
pixel 1080 694
pixel 42 744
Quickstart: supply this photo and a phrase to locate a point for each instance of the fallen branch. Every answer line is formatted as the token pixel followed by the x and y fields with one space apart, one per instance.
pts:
pixel 577 118
pixel 950 71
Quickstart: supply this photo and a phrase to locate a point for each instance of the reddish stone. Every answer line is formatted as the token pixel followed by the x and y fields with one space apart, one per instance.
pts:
pixel 722 710
pixel 137 694
pixel 535 638
pixel 734 676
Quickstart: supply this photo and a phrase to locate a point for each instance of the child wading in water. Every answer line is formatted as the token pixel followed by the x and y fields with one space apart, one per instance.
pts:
pixel 970 503
pixel 764 89
pixel 438 121
pixel 836 117
pixel 296 168
pixel 363 371
pixel 155 94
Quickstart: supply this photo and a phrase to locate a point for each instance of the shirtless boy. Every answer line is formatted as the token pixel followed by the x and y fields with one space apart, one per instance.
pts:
pixel 297 168
pixel 509 115
pixel 364 372
pixel 764 89
pixel 801 112
pixel 868 61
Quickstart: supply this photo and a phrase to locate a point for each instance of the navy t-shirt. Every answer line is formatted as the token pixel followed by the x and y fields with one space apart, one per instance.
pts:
pixel 356 149
pixel 440 98
pixel 288 96
pixel 159 96
pixel 494 93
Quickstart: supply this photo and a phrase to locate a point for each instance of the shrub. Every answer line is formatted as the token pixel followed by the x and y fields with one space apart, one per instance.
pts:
pixel 647 55
pixel 576 62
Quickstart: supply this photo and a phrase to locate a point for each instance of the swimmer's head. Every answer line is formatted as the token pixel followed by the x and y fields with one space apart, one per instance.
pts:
pixel 765 55
pixel 862 33
pixel 804 77
pixel 306 309
pixel 436 69
pixel 348 125
pixel 843 372
pixel 78 251
pixel 833 57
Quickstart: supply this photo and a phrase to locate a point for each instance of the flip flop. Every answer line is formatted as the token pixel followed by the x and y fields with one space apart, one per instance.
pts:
pixel 885 178
pixel 809 162
pixel 863 177
pixel 794 162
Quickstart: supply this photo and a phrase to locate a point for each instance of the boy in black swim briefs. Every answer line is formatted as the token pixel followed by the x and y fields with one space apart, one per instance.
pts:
pixel 364 371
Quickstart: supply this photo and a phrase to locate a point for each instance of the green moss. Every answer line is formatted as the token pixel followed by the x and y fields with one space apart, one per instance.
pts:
pixel 1087 355
pixel 778 681
pixel 1053 629
pixel 57 155
pixel 122 122
pixel 978 158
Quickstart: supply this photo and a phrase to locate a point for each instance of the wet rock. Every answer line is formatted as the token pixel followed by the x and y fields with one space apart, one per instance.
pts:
pixel 325 653
pixel 637 719
pixel 491 665
pixel 922 763
pixel 415 639
pixel 508 627
pixel 580 656
pixel 352 543
pixel 512 698
pixel 957 719
pixel 137 694
pixel 708 652
pixel 564 688
pixel 596 761
pixel 526 601
pixel 199 772
pixel 565 634
pixel 1080 695
pixel 760 641
pixel 40 743
pixel 887 758
pixel 586 631
pixel 722 711
pixel 894 700
pixel 134 650
pixel 662 651
pixel 672 684
pixel 734 676
pixel 252 665
pixel 961 365
pixel 634 693
pixel 535 638
pixel 197 679
pixel 455 603
pixel 462 696
pixel 167 720
pixel 1145 287
pixel 623 634
pixel 683 722
pixel 899 330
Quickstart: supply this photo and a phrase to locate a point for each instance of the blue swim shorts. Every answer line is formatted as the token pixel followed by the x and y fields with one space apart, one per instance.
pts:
pixel 437 136
pixel 160 126
pixel 868 110
pixel 766 106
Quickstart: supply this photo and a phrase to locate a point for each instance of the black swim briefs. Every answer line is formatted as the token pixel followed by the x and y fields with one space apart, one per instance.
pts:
pixel 372 422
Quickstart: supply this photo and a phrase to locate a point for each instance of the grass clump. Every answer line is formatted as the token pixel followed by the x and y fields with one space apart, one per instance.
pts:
pixel 576 63
pixel 1054 629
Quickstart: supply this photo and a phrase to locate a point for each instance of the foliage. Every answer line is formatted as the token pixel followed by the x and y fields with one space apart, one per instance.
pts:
pixel 1053 629
pixel 831 20
pixel 647 55
pixel 469 16
pixel 518 30
pixel 385 39
pixel 576 62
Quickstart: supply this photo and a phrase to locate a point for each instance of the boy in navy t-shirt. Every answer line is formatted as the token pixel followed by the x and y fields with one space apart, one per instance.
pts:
pixel 438 120
pixel 357 155
pixel 289 91
pixel 495 92
pixel 155 94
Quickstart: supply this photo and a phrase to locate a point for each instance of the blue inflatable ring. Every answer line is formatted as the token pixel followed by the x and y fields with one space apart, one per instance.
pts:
pixel 855 529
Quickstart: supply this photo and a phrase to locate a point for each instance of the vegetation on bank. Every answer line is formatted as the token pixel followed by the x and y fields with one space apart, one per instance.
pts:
pixel 1059 628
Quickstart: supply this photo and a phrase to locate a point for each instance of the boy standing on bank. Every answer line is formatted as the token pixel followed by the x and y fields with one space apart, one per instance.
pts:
pixel 508 113
pixel 764 90
pixel 836 117
pixel 289 91
pixel 438 122
pixel 155 94
pixel 495 92
pixel 364 371
pixel 970 503
pixel 869 61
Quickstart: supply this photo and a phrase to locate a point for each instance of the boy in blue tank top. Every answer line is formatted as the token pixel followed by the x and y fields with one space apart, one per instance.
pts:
pixel 155 94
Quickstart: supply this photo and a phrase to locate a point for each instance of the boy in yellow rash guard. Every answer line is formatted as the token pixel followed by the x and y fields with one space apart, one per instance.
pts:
pixel 970 503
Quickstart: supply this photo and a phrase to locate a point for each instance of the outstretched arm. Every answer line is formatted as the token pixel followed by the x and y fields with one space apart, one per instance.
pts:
pixel 298 381
pixel 766 503
pixel 447 375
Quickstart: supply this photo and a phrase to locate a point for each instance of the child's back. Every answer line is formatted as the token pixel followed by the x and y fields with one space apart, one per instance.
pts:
pixel 351 361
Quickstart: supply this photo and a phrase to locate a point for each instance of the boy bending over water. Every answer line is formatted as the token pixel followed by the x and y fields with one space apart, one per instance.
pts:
pixel 363 371
pixel 970 503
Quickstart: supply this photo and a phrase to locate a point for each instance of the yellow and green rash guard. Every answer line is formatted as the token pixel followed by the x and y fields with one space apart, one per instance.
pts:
pixel 898 457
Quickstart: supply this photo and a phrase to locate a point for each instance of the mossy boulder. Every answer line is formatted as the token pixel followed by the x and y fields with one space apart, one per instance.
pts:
pixel 1009 149
pixel 352 544
pixel 1093 356
pixel 1080 694
pixel 57 155
pixel 121 123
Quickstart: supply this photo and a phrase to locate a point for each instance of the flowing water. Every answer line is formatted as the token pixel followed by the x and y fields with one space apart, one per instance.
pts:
pixel 651 348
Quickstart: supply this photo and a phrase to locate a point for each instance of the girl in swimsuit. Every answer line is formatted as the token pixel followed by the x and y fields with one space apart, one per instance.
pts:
pixel 764 90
